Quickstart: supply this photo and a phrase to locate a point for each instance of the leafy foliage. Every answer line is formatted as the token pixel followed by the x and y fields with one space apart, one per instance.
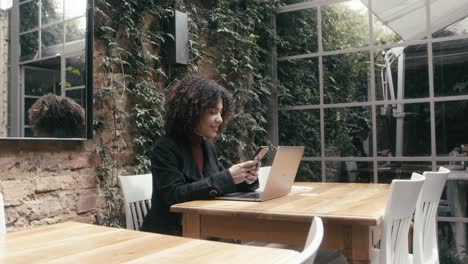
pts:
pixel 234 35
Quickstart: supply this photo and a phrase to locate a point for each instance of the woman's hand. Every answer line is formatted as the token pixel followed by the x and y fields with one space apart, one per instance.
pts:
pixel 245 171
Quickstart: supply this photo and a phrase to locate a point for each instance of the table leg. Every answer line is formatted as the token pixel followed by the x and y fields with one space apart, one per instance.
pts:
pixel 191 225
pixel 357 244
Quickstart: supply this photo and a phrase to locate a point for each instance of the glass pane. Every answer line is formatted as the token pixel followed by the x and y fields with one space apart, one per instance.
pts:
pixel 348 132
pixel 29 15
pixel 75 29
pixel 74 8
pixel 390 170
pixel 403 130
pixel 39 82
pixel 451 126
pixel 345 25
pixel 448 19
pixel 383 34
pixel 298 82
pixel 297 32
pixel 450 67
pixel 395 20
pixel 77 95
pixel 29 46
pixel 52 11
pixel 454 199
pixel 453 242
pixel 346 78
pixel 75 71
pixel 52 37
pixel 28 132
pixel 28 102
pixel 309 171
pixel 300 128
pixel 349 171
pixel 407 63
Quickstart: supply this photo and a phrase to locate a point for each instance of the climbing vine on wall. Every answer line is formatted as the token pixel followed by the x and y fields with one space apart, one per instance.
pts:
pixel 234 35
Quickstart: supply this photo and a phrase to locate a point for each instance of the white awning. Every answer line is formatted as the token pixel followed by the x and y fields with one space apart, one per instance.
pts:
pixel 407 18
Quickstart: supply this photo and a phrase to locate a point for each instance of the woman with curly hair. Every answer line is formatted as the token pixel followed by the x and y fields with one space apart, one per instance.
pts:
pixel 184 162
pixel 56 116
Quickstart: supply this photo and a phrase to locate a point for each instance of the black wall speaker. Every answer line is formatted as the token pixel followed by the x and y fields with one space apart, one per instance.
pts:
pixel 176 49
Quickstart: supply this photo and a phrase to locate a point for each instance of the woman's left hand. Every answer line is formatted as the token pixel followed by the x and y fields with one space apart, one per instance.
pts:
pixel 253 173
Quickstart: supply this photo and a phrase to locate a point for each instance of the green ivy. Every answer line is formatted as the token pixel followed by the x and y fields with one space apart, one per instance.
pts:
pixel 235 35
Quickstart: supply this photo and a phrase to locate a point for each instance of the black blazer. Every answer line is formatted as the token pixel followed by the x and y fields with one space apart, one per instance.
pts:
pixel 177 179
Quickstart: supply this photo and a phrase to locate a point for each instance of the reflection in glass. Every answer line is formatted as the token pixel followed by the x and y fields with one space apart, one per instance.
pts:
pixel 449 18
pixel 383 34
pixel 346 77
pixel 297 32
pixel 348 132
pixel 75 29
pixel 450 60
pixel 349 171
pixel 300 128
pixel 403 19
pixel 407 63
pixel 309 171
pixel 451 126
pixel 298 82
pixel 345 25
pixel 74 8
pixel 28 102
pixel 75 71
pixel 452 241
pixel 78 95
pixel 52 36
pixel 29 14
pixel 398 170
pixel 52 11
pixel 403 130
pixel 39 82
pixel 29 46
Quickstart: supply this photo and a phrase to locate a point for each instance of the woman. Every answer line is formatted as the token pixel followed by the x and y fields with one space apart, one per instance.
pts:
pixel 184 163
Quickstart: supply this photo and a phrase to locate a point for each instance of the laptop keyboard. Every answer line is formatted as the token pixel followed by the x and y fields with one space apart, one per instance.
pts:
pixel 252 195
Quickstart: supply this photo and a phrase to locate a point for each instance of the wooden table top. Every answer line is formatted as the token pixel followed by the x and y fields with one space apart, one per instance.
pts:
pixel 84 243
pixel 357 203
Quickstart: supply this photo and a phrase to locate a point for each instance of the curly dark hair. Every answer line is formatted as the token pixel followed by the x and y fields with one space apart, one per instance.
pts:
pixel 187 100
pixel 56 116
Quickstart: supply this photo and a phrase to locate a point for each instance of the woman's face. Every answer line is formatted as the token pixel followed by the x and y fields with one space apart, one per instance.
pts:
pixel 210 121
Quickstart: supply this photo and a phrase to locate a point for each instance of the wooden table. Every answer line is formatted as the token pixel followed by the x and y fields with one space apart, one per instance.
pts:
pixel 84 243
pixel 352 214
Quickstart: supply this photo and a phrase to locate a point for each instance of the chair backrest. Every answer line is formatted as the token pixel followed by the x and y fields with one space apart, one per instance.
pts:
pixel 263 177
pixel 398 214
pixel 425 248
pixel 137 191
pixel 314 239
pixel 2 216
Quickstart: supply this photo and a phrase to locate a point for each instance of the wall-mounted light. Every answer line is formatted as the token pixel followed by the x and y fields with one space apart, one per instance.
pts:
pixel 6 4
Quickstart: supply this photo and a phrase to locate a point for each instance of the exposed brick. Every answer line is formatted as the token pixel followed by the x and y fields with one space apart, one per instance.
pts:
pixel 14 192
pixel 86 203
pixel 11 215
pixel 41 209
pixel 87 181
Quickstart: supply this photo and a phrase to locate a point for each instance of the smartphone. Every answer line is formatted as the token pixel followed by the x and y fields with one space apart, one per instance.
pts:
pixel 260 153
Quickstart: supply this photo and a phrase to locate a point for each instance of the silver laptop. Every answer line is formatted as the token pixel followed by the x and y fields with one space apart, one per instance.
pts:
pixel 280 179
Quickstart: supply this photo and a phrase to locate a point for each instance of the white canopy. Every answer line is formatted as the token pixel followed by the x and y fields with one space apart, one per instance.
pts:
pixel 407 18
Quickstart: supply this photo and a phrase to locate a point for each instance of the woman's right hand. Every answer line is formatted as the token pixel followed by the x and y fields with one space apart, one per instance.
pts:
pixel 243 171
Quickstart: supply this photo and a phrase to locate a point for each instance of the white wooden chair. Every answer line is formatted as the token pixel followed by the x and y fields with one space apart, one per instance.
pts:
pixel 263 177
pixel 314 239
pixel 425 248
pixel 137 191
pixel 2 216
pixel 397 220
